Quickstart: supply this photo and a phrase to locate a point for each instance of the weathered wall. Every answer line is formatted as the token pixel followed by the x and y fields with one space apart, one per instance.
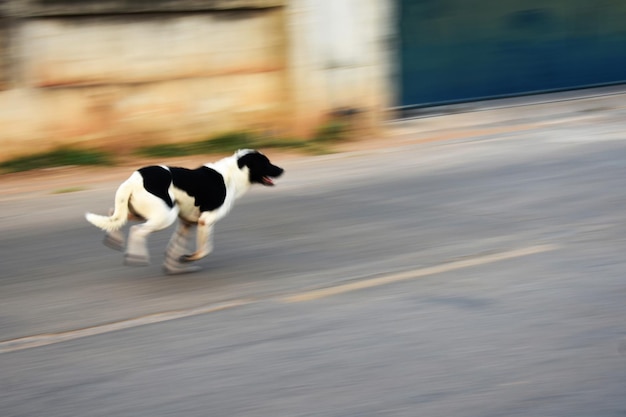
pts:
pixel 39 8
pixel 340 57
pixel 109 73
pixel 126 79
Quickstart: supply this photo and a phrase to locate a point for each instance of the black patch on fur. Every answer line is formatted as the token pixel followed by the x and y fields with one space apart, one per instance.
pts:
pixel 259 166
pixel 157 180
pixel 204 184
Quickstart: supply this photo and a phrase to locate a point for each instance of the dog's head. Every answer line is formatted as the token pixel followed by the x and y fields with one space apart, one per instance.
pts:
pixel 261 170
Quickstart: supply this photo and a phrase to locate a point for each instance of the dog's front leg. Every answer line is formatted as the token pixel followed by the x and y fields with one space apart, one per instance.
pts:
pixel 177 245
pixel 204 238
pixel 176 248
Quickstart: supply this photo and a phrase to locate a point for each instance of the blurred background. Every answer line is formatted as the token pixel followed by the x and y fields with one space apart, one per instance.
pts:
pixel 124 74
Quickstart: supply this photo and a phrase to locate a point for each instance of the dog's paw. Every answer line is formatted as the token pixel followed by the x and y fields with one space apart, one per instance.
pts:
pixel 136 260
pixel 178 269
pixel 175 266
pixel 186 259
pixel 113 242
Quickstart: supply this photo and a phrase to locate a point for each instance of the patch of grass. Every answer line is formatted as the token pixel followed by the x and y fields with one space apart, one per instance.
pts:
pixel 329 133
pixel 68 190
pixel 165 150
pixel 225 143
pixel 222 143
pixel 333 131
pixel 59 157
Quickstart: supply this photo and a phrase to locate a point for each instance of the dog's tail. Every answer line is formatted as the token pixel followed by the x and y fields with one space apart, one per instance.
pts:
pixel 120 214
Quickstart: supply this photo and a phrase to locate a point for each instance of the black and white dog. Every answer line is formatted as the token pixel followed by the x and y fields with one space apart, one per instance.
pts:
pixel 160 194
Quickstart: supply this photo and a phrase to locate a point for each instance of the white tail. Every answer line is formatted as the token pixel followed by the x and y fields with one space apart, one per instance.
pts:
pixel 120 214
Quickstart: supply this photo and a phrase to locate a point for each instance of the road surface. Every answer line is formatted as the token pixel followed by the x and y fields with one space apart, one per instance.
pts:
pixel 458 278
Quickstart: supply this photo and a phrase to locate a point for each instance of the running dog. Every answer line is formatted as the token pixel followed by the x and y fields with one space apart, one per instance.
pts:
pixel 159 194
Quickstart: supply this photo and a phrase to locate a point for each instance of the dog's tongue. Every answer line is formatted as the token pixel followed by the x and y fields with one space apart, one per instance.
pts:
pixel 268 181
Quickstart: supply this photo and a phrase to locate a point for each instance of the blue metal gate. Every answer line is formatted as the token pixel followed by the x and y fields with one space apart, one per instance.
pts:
pixel 463 50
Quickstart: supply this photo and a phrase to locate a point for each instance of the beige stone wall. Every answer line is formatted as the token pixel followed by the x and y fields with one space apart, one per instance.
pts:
pixel 125 78
pixel 132 80
pixel 101 50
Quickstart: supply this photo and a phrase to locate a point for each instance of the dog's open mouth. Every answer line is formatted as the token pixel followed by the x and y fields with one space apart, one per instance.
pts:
pixel 267 181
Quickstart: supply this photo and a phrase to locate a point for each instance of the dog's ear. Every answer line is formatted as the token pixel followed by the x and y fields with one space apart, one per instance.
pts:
pixel 241 153
pixel 249 159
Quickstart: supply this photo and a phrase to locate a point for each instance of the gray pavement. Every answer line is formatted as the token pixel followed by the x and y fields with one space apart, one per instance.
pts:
pixel 535 334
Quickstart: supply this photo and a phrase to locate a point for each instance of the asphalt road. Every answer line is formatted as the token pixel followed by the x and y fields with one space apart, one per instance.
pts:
pixel 460 278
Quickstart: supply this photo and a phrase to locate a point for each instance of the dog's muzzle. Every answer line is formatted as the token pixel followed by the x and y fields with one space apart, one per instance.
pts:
pixel 269 179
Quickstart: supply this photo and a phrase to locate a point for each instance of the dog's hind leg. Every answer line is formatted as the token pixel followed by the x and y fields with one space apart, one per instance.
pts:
pixel 176 247
pixel 204 242
pixel 137 249
pixel 114 239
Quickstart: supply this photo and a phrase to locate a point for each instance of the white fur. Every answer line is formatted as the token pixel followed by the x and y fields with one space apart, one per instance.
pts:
pixel 120 215
pixel 131 193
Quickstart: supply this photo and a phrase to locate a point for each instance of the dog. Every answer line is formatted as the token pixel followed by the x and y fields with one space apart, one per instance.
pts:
pixel 159 194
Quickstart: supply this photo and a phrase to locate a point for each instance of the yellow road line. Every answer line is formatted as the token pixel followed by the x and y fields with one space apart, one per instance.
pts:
pixel 416 273
pixel 52 338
